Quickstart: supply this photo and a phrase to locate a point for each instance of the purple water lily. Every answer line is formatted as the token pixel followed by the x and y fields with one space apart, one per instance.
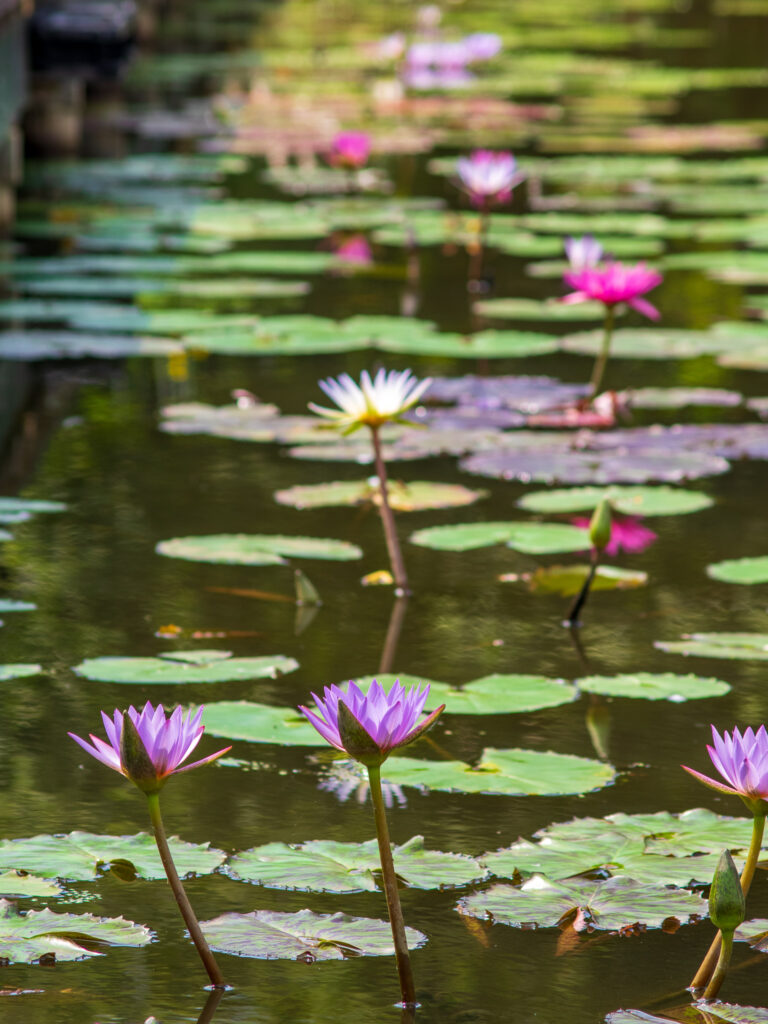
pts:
pixel 168 742
pixel 742 760
pixel 369 726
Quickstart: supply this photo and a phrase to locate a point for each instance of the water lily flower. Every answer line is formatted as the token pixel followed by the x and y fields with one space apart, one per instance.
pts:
pixel 165 743
pixel 742 760
pixel 369 726
pixel 583 252
pixel 612 283
pixel 355 251
pixel 373 402
pixel 481 45
pixel 350 150
pixel 487 177
pixel 627 534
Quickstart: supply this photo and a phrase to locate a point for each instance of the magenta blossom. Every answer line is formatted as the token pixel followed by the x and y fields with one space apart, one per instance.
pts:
pixel 627 534
pixel 350 150
pixel 166 742
pixel 611 283
pixel 369 726
pixel 355 251
pixel 743 763
pixel 487 177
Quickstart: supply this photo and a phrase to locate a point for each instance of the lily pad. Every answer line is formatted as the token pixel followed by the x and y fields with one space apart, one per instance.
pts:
pixel 19 671
pixel 678 398
pixel 34 345
pixel 654 686
pixel 84 856
pixel 328 866
pixel 740 570
pixel 29 937
pixel 18 884
pixel 567 580
pixel 184 667
pixel 705 1013
pixel 255 548
pixel 31 505
pixel 513 772
pixel 532 309
pixel 304 935
pixel 641 501
pixel 617 904
pixel 530 538
pixel 260 723
pixel 7 605
pixel 737 646
pixel 403 497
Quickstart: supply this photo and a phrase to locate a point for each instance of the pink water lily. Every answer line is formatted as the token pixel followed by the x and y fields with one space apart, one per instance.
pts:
pixel 350 150
pixel 371 725
pixel 167 741
pixel 612 283
pixel 488 177
pixel 742 760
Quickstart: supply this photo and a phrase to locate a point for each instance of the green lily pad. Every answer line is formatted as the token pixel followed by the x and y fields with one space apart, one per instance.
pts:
pixel 706 1013
pixel 260 723
pixel 567 580
pixel 740 570
pixel 530 538
pixel 491 695
pixel 84 856
pixel 533 309
pixel 255 548
pixel 34 345
pixel 737 646
pixel 328 866
pixel 128 287
pixel 655 686
pixel 755 932
pixel 19 671
pixel 31 505
pixel 20 884
pixel 7 605
pixel 42 936
pixel 185 667
pixel 641 501
pixel 513 772
pixel 483 345
pixel 403 497
pixel 616 904
pixel 273 935
pixel 647 343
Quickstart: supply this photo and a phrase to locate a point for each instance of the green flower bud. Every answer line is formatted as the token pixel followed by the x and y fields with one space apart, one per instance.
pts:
pixel 600 524
pixel 726 897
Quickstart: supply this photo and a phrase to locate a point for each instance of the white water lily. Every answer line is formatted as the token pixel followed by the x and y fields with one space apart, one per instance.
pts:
pixel 372 402
pixel 583 252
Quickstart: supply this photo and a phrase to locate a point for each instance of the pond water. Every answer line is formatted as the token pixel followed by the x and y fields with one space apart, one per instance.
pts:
pixel 679 91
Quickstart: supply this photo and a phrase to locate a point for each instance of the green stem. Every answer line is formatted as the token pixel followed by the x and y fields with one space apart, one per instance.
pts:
pixel 217 979
pixel 717 979
pixel 405 974
pixel 602 360
pixel 388 519
pixel 704 973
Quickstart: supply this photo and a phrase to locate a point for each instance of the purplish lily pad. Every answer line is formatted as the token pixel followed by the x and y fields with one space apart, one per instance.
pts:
pixel 530 538
pixel 708 1012
pixel 639 501
pixel 255 548
pixel 304 935
pixel 329 866
pixel 83 856
pixel 403 497
pixel 616 904
pixel 737 646
pixel 655 686
pixel 740 570
pixel 41 936
pixel 185 667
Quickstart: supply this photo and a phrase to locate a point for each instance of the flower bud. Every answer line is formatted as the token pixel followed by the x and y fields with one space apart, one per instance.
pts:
pixel 726 897
pixel 600 524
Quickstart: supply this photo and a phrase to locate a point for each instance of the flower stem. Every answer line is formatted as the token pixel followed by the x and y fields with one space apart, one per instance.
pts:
pixel 602 360
pixel 583 594
pixel 217 979
pixel 405 974
pixel 717 979
pixel 704 973
pixel 388 519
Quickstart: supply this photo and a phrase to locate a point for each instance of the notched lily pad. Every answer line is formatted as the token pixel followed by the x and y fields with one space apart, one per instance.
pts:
pixel 304 935
pixel 639 501
pixel 255 549
pixel 403 497
pixel 654 686
pixel 184 667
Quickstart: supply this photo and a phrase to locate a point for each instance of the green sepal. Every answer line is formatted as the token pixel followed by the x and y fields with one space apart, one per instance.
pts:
pixel 726 897
pixel 356 739
pixel 135 760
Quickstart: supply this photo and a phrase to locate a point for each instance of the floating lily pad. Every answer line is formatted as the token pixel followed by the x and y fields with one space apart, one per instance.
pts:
pixel 31 505
pixel 184 667
pixel 567 580
pixel 403 497
pixel 511 772
pixel 328 866
pixel 706 1013
pixel 255 548
pixel 647 343
pixel 737 646
pixel 6 605
pixel 530 538
pixel 755 932
pixel 83 856
pixel 18 884
pixel 740 570
pixel 655 686
pixel 272 935
pixel 260 723
pixel 34 345
pixel 678 398
pixel 18 671
pixel 128 287
pixel 532 309
pixel 29 937
pixel 640 501
pixel 616 904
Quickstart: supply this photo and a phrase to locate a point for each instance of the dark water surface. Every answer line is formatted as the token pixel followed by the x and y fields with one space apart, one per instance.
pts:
pixel 101 590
